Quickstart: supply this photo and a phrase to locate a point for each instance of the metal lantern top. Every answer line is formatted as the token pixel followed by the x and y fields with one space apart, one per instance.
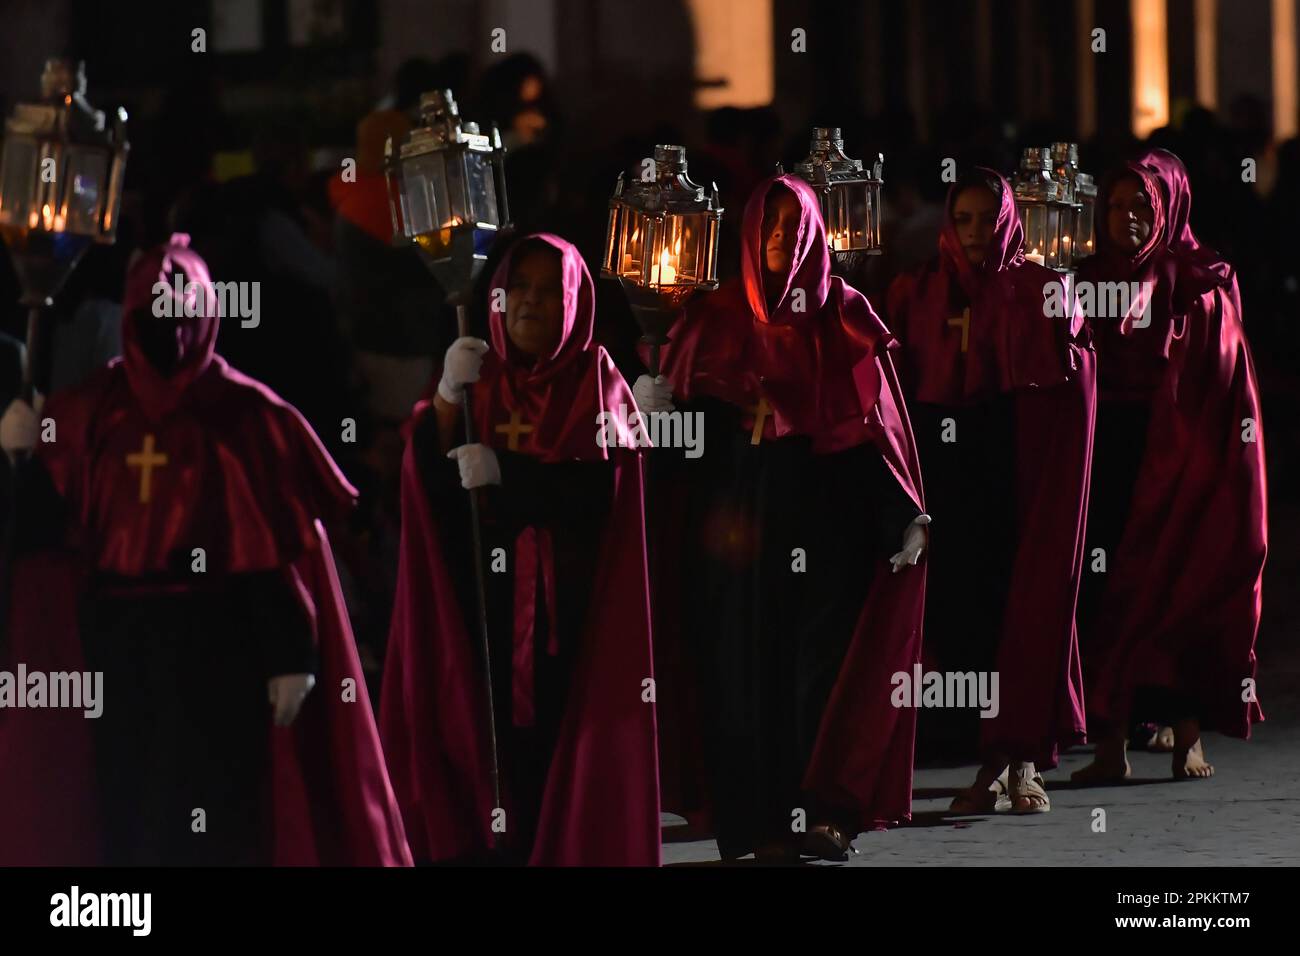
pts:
pixel 663 229
pixel 1081 190
pixel 1034 181
pixel 1065 166
pixel 1049 219
pixel 849 196
pixel 62 165
pixel 446 189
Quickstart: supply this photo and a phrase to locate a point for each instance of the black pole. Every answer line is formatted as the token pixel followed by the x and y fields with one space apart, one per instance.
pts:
pixel 26 392
pixel 35 328
pixel 480 583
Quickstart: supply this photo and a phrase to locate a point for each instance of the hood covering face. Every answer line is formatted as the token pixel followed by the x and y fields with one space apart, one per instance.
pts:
pixel 185 332
pixel 1173 247
pixel 579 311
pixel 1007 246
pixel 970 332
pixel 810 266
pixel 561 394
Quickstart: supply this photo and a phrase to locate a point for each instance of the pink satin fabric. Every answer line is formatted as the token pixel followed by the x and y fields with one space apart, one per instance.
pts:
pixel 600 804
pixel 1182 604
pixel 1013 346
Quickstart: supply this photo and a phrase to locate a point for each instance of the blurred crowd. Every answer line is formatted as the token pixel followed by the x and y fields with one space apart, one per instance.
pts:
pixel 354 327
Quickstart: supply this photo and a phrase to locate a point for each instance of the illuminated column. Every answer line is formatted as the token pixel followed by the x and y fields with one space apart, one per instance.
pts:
pixel 1150 67
pixel 1085 19
pixel 733 43
pixel 1284 70
pixel 983 30
pixel 1207 53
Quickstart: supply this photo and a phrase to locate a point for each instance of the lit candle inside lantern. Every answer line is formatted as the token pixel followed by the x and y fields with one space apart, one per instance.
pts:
pixel 1035 256
pixel 47 216
pixel 840 241
pixel 665 272
pixel 33 220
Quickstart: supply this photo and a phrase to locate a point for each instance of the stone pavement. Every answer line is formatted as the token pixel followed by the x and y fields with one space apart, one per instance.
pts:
pixel 1248 813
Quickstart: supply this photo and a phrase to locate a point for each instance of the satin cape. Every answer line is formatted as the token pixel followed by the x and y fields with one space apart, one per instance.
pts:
pixel 1012 345
pixel 247 480
pixel 1182 604
pixel 821 358
pixel 600 804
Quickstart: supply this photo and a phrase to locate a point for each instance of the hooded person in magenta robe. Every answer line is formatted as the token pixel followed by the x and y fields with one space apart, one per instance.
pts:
pixel 792 613
pixel 1002 388
pixel 173 516
pixel 1179 495
pixel 568 611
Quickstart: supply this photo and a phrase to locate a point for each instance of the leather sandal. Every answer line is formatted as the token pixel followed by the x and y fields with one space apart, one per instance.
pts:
pixel 828 842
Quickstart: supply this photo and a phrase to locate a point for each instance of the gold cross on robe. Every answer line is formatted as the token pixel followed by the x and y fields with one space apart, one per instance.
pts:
pixel 146 460
pixel 514 430
pixel 760 413
pixel 964 321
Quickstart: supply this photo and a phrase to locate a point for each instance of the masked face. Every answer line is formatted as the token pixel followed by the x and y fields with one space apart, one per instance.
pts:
pixel 1129 215
pixel 535 302
pixel 780 232
pixel 975 217
pixel 160 341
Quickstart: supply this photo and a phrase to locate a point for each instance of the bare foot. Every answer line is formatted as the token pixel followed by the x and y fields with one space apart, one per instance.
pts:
pixel 1189 752
pixel 1109 765
pixel 1162 742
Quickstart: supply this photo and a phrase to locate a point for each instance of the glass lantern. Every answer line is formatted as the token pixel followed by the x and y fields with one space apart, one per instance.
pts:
pixel 61 172
pixel 1065 168
pixel 850 198
pixel 1085 195
pixel 446 186
pixel 62 165
pixel 662 234
pixel 1046 216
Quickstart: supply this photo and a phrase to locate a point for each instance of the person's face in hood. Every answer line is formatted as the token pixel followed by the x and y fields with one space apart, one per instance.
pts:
pixel 975 218
pixel 160 341
pixel 535 302
pixel 781 215
pixel 1129 215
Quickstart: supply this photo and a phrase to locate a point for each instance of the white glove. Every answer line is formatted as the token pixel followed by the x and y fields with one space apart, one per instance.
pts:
pixel 478 465
pixel 460 367
pixel 21 426
pixel 653 394
pixel 915 539
pixel 287 692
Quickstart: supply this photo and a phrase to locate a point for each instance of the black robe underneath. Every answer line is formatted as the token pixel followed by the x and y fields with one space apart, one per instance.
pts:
pixel 970 489
pixel 185 723
pixel 768 640
pixel 570 501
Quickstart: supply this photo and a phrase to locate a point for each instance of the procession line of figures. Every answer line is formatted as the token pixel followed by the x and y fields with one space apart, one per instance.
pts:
pixel 1099 530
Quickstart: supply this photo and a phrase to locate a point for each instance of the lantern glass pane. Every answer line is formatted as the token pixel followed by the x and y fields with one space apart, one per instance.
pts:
pixel 1033 218
pixel 711 250
pixel 609 258
pixel 457 193
pixel 631 245
pixel 397 202
pixel 482 189
pixel 1084 237
pixel 428 206
pixel 85 179
pixel 16 179
pixel 1055 217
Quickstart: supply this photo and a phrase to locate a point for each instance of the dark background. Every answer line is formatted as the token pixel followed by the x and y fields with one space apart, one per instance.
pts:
pixel 918 81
